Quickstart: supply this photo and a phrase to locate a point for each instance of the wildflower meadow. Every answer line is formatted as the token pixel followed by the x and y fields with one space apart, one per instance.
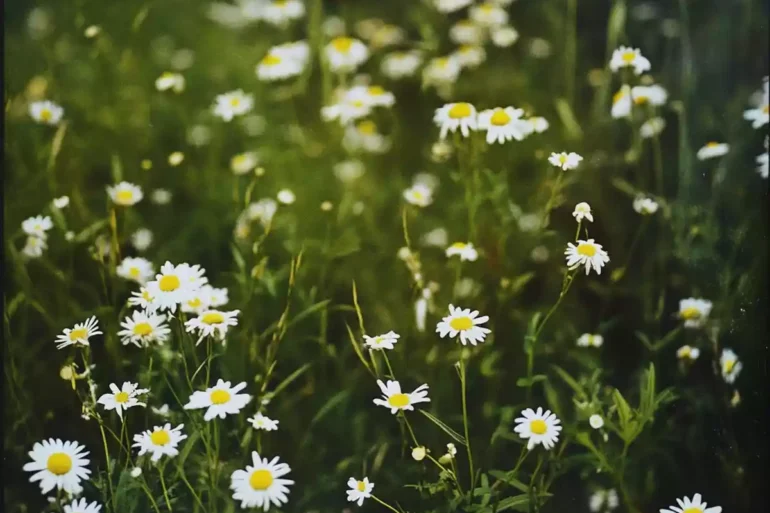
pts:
pixel 390 255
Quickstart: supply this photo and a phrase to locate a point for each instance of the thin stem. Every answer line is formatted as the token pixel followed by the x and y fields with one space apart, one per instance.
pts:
pixel 570 51
pixel 465 421
pixel 545 220
pixel 86 359
pixel 149 496
pixel 409 427
pixel 180 472
pixel 165 491
pixel 387 362
pixel 391 508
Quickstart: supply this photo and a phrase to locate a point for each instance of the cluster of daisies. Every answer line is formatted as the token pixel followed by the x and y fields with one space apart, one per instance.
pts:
pixel 501 124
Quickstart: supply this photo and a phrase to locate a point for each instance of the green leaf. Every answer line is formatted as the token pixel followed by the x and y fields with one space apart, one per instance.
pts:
pixel 624 410
pixel 90 231
pixel 294 375
pixel 517 503
pixel 357 348
pixel 335 400
pixel 569 122
pixel 527 382
pixel 520 281
pixel 346 244
pixel 509 479
pixel 448 430
pixel 569 380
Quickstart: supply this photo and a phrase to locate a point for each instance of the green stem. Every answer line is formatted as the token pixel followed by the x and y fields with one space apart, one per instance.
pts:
pixel 165 491
pixel 391 508
pixel 409 427
pixel 465 422
pixel 570 52
pixel 545 220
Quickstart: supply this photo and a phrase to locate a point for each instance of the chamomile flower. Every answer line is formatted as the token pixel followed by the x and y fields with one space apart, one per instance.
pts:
pixel 626 57
pixel 286 197
pixel 281 12
pixel 539 124
pixel 364 136
pixel 504 124
pixel 46 112
pixel 372 95
pixel 174 285
pixel 61 202
pixel 262 211
pixel 465 323
pixel 212 323
pixel 596 421
pixel 397 65
pixel 565 161
pixel 470 56
pixel 346 110
pixel 688 353
pixel 692 506
pixel 170 81
pixel 232 104
pixel 760 115
pixel 125 194
pixel 161 196
pixel 652 127
pixel 384 341
pixel 654 95
pixel 396 400
pixel 345 53
pixel 419 195
pixel 82 506
pixel 242 163
pixel 538 428
pixel 359 490
pixel 220 400
pixel 452 116
pixel 466 32
pixel 175 158
pixel 590 340
pixel 603 501
pixel 488 14
pixel 583 211
pixel 465 250
pixel 143 328
pixel 37 226
pixel 387 35
pixel 441 71
pixel 260 421
pixel 160 441
pixel 57 464
pixel 217 296
pixel 586 253
pixel 260 484
pixel 142 299
pixel 762 165
pixel 645 206
pixel 694 311
pixel 122 398
pixel 141 239
pixel 730 365
pixel 504 36
pixel 447 6
pixel 713 150
pixel 280 63
pixel 80 334
pixel 136 269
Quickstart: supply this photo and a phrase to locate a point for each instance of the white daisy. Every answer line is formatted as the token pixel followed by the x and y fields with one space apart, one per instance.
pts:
pixel 596 421
pixel 451 5
pixel 46 112
pixel 652 127
pixel 565 161
pixel 387 35
pixel 212 323
pixel 175 158
pixel 372 95
pixel 82 506
pixel 625 57
pixel 364 136
pixel 345 53
pixel 262 211
pixel 539 124
pixel 125 194
pixel 688 353
pixel 464 250
pixel 694 311
pixel 470 56
pixel 161 441
pixel 621 103
pixel 161 196
pixel 452 116
pixel 61 202
pixel 604 500
pixel 645 206
pixel 396 400
pixel 582 211
pixel 174 285
pixel 398 65
pixel 466 32
pixel 504 36
pixel 242 163
pixel 79 334
pixel 170 81
pixel 762 165
pixel 504 124
pixel 37 226
pixel 730 365
pixel 261 485
pixel 384 341
pixel 220 400
pixel 712 150
pixel 260 421
pixel 692 506
pixel 760 115
pixel 419 195
pixel 286 196
pixel 538 428
pixel 359 490
pixel 346 110
pixel 587 253
pixel 34 247
pixel 590 340
pixel 234 103
pixel 464 322
pixel 488 14
pixel 136 269
pixel 279 64
pixel 281 12
pixel 141 239
pixel 142 299
pixel 57 464
pixel 441 71
pixel 143 328
pixel 123 398
pixel 654 95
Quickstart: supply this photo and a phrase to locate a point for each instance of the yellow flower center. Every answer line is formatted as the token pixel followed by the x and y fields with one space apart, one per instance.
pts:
pixel 124 196
pixel 142 329
pixel 261 480
pixel 133 272
pixel 458 245
pixel 398 400
pixel 629 57
pixel 487 8
pixel 361 486
pixel 461 323
pixel 169 283
pixel 194 303
pixel 357 103
pixel 146 295
pixel 59 463
pixel 686 352
pixel 121 397
pixel 213 318
pixel 271 60
pixel 590 340
pixel 160 437
pixel 641 100
pixel 766 108
pixel 280 3
pixel 538 427
pixel 690 313
pixel 562 159
pixel 342 44
pixel 618 96
pixel 417 195
pixel 500 118
pixel 460 110
pixel 376 91
pixel 46 115
pixel 367 127
pixel 442 62
pixel 729 366
pixel 79 333
pixel 234 102
pixel 712 144
pixel 239 160
pixel 220 396
pixel 693 510
pixel 588 250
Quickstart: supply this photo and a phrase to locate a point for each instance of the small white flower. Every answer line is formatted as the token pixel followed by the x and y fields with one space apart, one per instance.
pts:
pixel 349 170
pixel 464 250
pixel 170 81
pixel 359 490
pixel 586 253
pixel 762 165
pixel 596 421
pixel 712 150
pixel 396 400
pixel 447 6
pixel 419 453
pixel 652 127
pixel 61 202
pixel 419 195
pixel 283 61
pixel 645 206
pixel 372 95
pixel 504 124
pixel 260 421
pixel 488 14
pixel 37 226
pixel 539 124
pixel 141 239
pixel 122 398
pixel 286 197
pixel 281 12
pixel 688 353
pixel 604 500
pixel 57 464
pixel 451 449
pixel 364 136
pixel 161 441
pixel 465 323
pixel 397 65
pixel 565 161
pixel 470 56
pixel 384 341
pixel 590 340
pixel 125 194
pixel 261 485
pixel 692 506
pixel 345 53
pixel 441 71
pixel 504 36
pixel 694 311
pixel 242 163
pixel 143 328
pixel 174 285
pixel 232 104
pixel 220 400
pixel 262 211
pixel 760 115
pixel 136 472
pixel 452 116
pixel 582 211
pixel 212 323
pixel 730 365
pixel 466 32
pixel 46 112
pixel 79 334
pixel 142 299
pixel 625 57
pixel 161 196
pixel 538 428
pixel 175 158
pixel 163 411
pixel 136 269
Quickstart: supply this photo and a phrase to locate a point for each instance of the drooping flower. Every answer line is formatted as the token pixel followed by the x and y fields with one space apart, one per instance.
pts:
pixel 582 211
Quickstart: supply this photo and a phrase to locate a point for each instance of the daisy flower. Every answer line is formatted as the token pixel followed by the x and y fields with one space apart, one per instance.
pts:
pixel 259 421
pixel 170 81
pixel 504 124
pixel 504 36
pixel 398 65
pixel 452 116
pixel 37 226
pixel 232 104
pixel 692 506
pixel 61 202
pixel 79 334
pixel 212 323
pixel 596 421
pixel 464 250
pixel 538 428
pixel 694 311
pixel 652 127
pixel 161 196
pixel 123 398
pixel 762 165
pixel 260 484
pixel 220 400
pixel 161 441
pixel 281 12
pixel 359 490
pixel 125 194
pixel 286 197
pixel 242 163
pixel 470 56
pixel 82 506
pixel 654 95
pixel 262 211
pixel 163 411
pixel 142 299
pixel 141 239
pixel 396 400
pixel 143 328
pixel 621 103
pixel 645 206
pixel 730 365
pixel 346 110
pixel 582 211
pixel 626 57
pixel 174 285
pixel 587 253
pixel 712 150
pixel 441 71
pixel 539 124
pixel 760 115
pixel 46 112
pixel 57 464
pixel 373 96
pixel 364 136
pixel 466 32
pixel 603 500
pixel 387 35
pixel 466 323
pixel 136 269
pixel 447 6
pixel 565 161
pixel 280 63
pixel 688 353
pixel 385 341
pixel 488 14
pixel 590 340
pixel 345 53
pixel 175 158
pixel 419 195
